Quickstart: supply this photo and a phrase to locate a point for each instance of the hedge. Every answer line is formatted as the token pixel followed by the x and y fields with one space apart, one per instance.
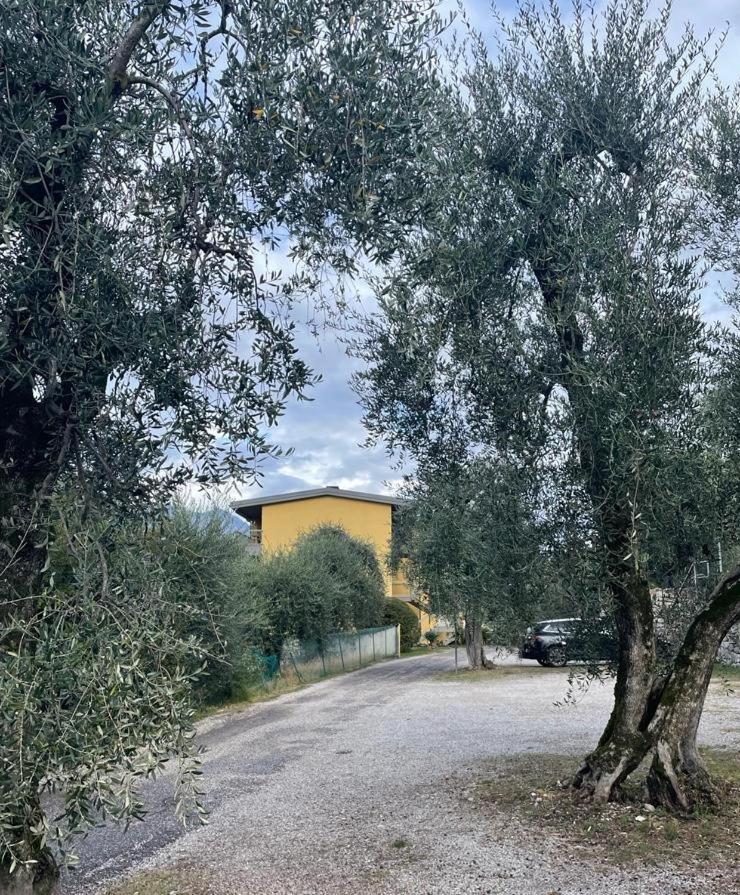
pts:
pixel 396 612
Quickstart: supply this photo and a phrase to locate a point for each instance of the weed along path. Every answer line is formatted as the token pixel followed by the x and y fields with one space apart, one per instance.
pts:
pixel 403 778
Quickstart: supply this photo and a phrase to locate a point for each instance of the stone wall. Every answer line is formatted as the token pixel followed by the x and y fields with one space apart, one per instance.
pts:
pixel 729 652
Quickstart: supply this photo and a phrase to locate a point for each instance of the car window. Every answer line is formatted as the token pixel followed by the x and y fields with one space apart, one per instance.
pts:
pixel 564 627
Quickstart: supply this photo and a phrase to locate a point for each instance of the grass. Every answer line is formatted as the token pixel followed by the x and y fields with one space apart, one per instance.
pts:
pixel 533 788
pixel 467 675
pixel 423 650
pixel 724 672
pixel 180 880
pixel 279 686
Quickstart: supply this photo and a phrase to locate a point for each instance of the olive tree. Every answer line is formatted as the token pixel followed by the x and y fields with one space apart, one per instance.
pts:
pixel 151 152
pixel 550 301
pixel 677 770
pixel 469 541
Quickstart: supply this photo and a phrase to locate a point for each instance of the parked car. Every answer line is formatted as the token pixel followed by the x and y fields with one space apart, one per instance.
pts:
pixel 555 641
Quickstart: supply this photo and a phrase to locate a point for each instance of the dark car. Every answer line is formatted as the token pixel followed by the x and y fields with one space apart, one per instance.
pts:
pixel 555 641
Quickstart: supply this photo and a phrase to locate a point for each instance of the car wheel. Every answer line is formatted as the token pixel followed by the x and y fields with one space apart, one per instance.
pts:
pixel 544 663
pixel 556 656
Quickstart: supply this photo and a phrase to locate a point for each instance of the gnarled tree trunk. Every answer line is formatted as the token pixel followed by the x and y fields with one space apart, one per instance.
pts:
pixel 29 881
pixel 624 743
pixel 678 778
pixel 474 646
pixel 40 874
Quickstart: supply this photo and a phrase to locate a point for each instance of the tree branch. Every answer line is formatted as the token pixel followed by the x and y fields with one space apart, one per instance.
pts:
pixel 132 38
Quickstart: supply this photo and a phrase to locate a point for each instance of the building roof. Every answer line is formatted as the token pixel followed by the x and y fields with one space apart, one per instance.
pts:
pixel 249 509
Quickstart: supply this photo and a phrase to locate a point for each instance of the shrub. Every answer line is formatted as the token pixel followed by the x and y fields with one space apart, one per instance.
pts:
pixel 397 612
pixel 356 590
pixel 328 582
pixel 240 609
pixel 204 565
pixel 293 599
pixel 431 637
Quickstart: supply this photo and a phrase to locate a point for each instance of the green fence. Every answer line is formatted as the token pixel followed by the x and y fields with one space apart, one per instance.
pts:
pixel 268 666
pixel 343 651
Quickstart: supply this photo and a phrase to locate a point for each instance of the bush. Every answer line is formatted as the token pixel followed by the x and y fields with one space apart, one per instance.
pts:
pixel 397 612
pixel 355 594
pixel 328 582
pixel 240 609
pixel 204 565
pixel 431 637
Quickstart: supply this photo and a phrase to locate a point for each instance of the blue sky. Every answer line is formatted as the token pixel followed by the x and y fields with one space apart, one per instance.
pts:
pixel 326 433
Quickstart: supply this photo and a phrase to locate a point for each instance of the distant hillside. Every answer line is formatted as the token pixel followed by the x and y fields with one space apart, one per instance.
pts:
pixel 231 521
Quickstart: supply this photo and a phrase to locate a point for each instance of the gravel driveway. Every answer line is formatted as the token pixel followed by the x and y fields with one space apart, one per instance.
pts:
pixel 356 785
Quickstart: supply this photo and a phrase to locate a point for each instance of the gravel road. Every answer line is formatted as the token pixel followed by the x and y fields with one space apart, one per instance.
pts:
pixel 355 785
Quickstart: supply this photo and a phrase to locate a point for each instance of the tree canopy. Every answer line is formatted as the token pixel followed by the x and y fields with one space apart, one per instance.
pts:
pixel 150 154
pixel 328 581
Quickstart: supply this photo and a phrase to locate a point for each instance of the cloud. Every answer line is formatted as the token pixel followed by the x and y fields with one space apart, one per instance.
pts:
pixel 325 432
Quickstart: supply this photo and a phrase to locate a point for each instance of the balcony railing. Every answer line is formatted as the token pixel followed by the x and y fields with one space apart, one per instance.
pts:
pixel 254 541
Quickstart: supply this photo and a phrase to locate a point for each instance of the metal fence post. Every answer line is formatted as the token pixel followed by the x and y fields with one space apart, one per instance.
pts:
pixel 359 647
pixel 300 678
pixel 373 646
pixel 341 654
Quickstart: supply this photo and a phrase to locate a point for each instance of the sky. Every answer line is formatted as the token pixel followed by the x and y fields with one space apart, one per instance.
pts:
pixel 326 433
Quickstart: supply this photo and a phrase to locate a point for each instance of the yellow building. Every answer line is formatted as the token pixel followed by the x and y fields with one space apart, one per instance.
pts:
pixel 277 520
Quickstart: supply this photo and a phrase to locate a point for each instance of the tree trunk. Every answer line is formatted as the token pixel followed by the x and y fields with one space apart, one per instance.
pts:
pixel 37 872
pixel 39 879
pixel 474 645
pixel 678 778
pixel 624 742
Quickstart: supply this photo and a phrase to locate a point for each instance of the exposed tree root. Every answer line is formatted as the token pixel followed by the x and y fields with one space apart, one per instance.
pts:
pixel 680 784
pixel 601 773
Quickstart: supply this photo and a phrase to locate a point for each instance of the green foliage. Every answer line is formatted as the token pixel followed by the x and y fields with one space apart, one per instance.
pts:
pixel 205 566
pixel 396 612
pixel 151 153
pixel 431 637
pixel 547 313
pixel 141 180
pixel 469 541
pixel 357 595
pixel 329 581
pixel 103 697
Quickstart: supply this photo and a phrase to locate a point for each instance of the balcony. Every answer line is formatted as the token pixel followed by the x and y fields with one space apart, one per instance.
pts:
pixel 254 541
